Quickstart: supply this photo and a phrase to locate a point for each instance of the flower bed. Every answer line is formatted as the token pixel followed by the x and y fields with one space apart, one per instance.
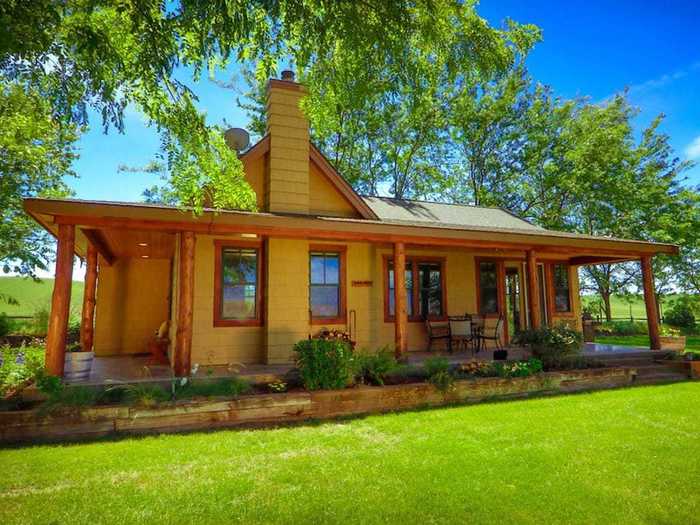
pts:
pixel 281 408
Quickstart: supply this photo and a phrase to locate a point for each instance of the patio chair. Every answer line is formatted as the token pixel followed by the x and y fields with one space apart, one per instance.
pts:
pixel 478 323
pixel 493 334
pixel 438 330
pixel 460 332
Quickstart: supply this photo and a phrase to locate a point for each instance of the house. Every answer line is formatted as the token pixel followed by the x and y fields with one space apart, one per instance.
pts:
pixel 243 287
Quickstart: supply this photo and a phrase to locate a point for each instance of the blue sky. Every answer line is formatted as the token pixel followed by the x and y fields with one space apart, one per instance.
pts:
pixel 592 49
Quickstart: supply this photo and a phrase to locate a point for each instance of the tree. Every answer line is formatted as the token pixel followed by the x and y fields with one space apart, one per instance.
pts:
pixel 36 153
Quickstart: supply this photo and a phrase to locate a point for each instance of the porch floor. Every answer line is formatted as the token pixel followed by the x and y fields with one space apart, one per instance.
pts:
pixel 135 368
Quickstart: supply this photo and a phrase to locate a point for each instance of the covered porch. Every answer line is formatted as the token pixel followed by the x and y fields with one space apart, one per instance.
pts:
pixel 504 273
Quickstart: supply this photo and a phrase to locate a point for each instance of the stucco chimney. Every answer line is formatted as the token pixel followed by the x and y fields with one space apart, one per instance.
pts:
pixel 287 188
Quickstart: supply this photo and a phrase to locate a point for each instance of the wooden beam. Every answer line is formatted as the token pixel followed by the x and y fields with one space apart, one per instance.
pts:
pixel 533 290
pixel 87 320
pixel 400 301
pixel 372 231
pixel 650 303
pixel 97 239
pixel 60 301
pixel 183 340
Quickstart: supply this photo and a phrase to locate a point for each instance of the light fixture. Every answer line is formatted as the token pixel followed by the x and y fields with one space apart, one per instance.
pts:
pixel 145 256
pixel 249 235
pixel 143 244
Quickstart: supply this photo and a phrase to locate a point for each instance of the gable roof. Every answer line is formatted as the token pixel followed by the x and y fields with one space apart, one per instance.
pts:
pixel 411 212
pixel 334 178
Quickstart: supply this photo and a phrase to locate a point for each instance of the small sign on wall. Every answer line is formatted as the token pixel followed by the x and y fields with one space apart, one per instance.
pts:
pixel 360 284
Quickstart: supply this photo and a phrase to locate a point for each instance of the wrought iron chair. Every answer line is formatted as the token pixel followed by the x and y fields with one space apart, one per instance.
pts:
pixel 438 330
pixel 461 332
pixel 494 334
pixel 478 323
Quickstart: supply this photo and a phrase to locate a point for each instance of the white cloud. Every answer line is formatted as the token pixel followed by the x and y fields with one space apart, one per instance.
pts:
pixel 692 151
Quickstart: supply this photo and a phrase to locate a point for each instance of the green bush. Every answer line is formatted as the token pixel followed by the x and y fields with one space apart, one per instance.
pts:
pixel 373 368
pixel 20 366
pixel 144 394
pixel 518 368
pixel 5 324
pixel 680 314
pixel 40 321
pixel 224 387
pixel 439 373
pixel 324 364
pixel 622 328
pixel 551 344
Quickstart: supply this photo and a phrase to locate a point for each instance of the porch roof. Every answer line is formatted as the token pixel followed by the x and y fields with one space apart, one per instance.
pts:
pixel 515 234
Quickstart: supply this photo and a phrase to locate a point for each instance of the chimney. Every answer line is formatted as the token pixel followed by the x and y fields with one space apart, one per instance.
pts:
pixel 287 189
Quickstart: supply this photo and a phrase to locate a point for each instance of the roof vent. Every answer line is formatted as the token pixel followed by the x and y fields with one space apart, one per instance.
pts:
pixel 288 75
pixel 237 139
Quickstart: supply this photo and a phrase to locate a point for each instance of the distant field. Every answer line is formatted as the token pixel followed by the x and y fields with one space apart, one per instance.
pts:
pixel 32 295
pixel 621 306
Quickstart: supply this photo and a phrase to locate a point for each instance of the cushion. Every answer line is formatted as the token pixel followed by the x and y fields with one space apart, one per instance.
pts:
pixel 163 330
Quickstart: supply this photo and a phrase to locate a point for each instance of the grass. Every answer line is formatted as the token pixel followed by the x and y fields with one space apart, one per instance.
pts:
pixel 692 342
pixel 32 295
pixel 620 306
pixel 624 456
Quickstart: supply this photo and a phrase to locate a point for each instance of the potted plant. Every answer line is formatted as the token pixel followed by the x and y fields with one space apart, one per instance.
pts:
pixel 671 339
pixel 77 363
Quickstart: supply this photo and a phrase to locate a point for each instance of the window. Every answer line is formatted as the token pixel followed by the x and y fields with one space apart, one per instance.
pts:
pixel 326 294
pixel 562 294
pixel 237 294
pixel 409 289
pixel 488 287
pixel 425 293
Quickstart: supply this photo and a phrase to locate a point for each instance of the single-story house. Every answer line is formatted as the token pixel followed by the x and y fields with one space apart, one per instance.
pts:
pixel 244 287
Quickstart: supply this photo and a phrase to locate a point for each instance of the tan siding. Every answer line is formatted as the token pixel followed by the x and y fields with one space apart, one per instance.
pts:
pixel 325 199
pixel 132 302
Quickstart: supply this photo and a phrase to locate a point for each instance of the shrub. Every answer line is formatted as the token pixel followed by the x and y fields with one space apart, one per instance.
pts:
pixel 225 387
pixel 40 321
pixel 551 345
pixel 373 368
pixel 680 313
pixel 439 373
pixel 324 364
pixel 477 368
pixel 5 324
pixel 145 395
pixel 19 367
pixel 622 328
pixel 518 368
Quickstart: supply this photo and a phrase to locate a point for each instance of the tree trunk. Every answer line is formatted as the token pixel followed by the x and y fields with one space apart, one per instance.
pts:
pixel 607 309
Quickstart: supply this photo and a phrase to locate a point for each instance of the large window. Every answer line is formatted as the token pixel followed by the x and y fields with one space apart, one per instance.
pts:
pixel 237 291
pixel 425 293
pixel 326 294
pixel 487 278
pixel 562 291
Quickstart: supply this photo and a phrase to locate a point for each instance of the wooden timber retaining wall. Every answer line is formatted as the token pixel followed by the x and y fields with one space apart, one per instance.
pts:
pixel 271 409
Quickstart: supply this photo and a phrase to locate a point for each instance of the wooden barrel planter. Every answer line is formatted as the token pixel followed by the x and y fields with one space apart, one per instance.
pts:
pixel 78 366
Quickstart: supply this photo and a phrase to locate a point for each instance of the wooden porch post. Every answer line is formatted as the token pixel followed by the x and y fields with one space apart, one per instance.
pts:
pixel 183 339
pixel 650 302
pixel 533 292
pixel 400 301
pixel 60 301
pixel 87 321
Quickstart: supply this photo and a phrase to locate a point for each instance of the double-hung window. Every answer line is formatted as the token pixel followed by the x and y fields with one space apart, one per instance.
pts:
pixel 425 290
pixel 326 294
pixel 561 288
pixel 237 299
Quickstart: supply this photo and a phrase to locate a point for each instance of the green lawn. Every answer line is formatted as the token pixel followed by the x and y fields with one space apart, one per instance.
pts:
pixel 32 295
pixel 625 456
pixel 692 341
pixel 621 306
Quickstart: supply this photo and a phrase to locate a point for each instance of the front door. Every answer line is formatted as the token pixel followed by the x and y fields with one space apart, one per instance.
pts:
pixel 513 300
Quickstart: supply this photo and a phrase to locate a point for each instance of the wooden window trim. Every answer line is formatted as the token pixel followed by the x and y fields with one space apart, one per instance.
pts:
pixel 549 274
pixel 219 246
pixel 415 260
pixel 500 285
pixel 341 250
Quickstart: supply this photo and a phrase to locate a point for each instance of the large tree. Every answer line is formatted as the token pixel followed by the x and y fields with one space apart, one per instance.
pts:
pixel 36 152
pixel 81 57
